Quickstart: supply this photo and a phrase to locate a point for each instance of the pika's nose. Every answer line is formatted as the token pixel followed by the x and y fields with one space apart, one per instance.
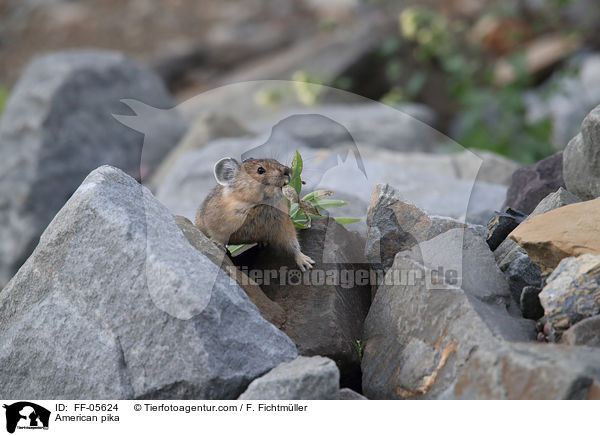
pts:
pixel 287 173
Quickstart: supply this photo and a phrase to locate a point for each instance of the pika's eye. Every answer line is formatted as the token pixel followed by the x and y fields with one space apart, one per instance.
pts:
pixel 260 170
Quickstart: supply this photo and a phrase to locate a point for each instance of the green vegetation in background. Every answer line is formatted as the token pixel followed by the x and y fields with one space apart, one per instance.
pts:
pixel 307 90
pixel 492 118
pixel 443 58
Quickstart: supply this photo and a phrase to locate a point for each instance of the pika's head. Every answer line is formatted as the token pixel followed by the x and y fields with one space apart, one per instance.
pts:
pixel 269 172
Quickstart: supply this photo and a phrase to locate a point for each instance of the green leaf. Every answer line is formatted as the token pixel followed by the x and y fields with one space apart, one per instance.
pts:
pixel 301 217
pixel 294 210
pixel 236 249
pixel 345 220
pixel 300 225
pixel 317 195
pixel 310 196
pixel 326 203
pixel 298 216
pixel 359 346
pixel 297 165
pixel 296 183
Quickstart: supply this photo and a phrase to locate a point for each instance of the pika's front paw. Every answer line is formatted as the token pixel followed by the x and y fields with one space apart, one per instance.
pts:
pixel 303 261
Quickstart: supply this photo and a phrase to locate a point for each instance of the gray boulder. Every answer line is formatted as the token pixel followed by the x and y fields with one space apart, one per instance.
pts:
pixel 572 293
pixel 520 273
pixel 586 332
pixel 394 225
pixel 115 303
pixel 424 324
pixel 269 310
pixel 326 306
pixel 489 167
pixel 529 372
pixel 304 378
pixel 466 253
pixel 58 125
pixel 581 159
pixel 507 252
pixel 429 181
pixel 349 394
pixel 557 199
pixel 531 184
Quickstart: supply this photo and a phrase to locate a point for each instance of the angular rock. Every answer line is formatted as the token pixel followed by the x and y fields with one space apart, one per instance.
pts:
pixel 581 160
pixel 326 306
pixel 115 303
pixel 269 310
pixel 557 199
pixel 585 332
pixel 532 183
pixel 570 230
pixel 394 225
pixel 465 253
pixel 572 293
pixel 349 394
pixel 529 372
pixel 530 302
pixel 508 250
pixel 304 378
pixel 501 225
pixel 420 332
pixel 520 273
pixel 57 126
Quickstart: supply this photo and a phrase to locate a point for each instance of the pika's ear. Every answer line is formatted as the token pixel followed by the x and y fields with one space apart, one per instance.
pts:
pixel 226 170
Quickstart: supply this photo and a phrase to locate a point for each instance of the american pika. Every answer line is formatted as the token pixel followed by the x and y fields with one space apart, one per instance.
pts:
pixel 248 206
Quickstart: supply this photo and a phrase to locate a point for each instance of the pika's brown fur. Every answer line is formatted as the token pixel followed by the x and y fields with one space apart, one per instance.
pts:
pixel 248 206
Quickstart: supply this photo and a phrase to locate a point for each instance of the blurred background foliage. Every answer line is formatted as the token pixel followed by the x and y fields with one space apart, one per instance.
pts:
pixel 471 61
pixel 453 59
